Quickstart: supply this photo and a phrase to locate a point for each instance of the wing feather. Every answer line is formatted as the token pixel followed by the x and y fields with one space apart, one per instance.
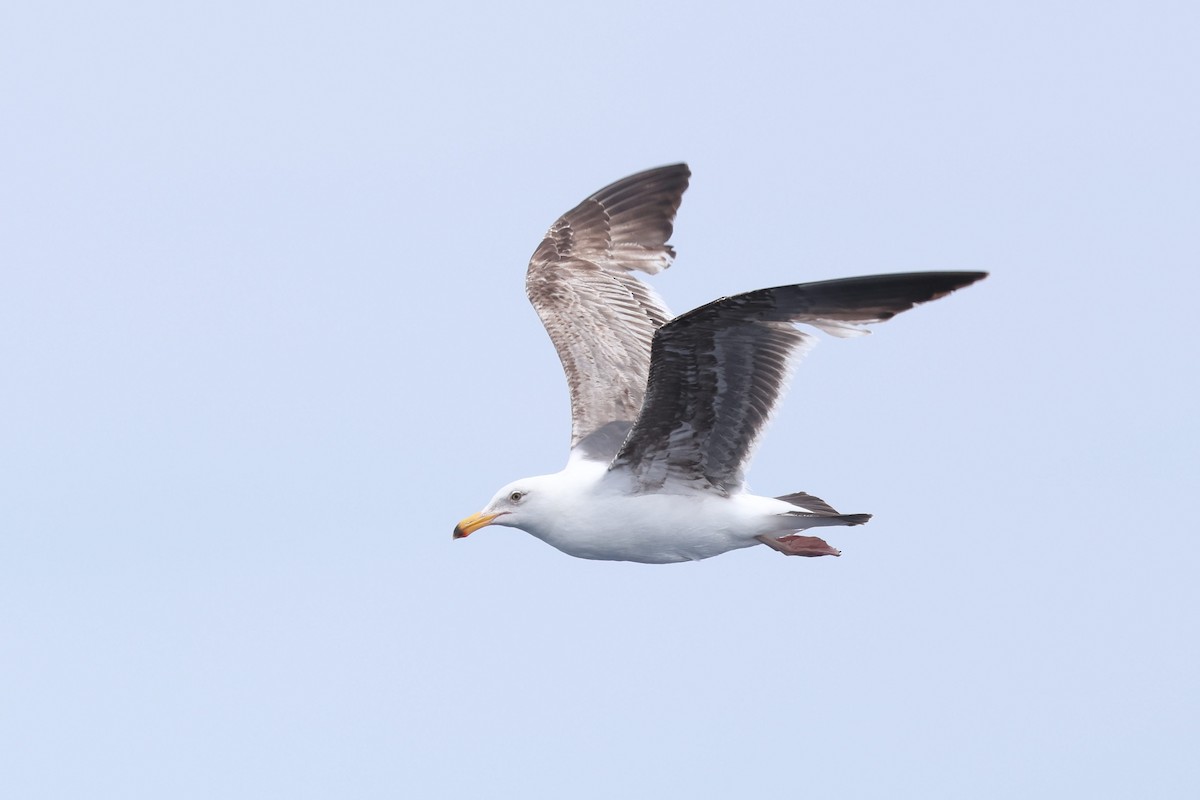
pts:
pixel 716 372
pixel 599 316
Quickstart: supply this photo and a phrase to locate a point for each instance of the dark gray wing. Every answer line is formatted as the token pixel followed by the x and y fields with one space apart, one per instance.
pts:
pixel 601 318
pixel 717 371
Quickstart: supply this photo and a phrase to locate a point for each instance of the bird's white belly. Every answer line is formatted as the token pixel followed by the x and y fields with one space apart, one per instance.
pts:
pixel 657 528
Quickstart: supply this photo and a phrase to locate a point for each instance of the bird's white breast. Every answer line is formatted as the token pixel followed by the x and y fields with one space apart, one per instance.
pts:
pixel 592 518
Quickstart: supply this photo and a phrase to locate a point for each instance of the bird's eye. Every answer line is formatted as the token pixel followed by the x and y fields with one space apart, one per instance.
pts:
pixel 515 497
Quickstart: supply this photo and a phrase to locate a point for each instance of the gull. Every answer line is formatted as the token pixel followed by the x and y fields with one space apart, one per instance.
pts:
pixel 666 412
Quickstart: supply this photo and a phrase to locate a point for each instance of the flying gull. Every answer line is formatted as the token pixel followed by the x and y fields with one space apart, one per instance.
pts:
pixel 666 412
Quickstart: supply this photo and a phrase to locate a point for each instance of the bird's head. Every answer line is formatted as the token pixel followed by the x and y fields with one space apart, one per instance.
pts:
pixel 514 506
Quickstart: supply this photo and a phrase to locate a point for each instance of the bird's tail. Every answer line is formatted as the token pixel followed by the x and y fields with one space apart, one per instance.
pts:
pixel 813 512
pixel 799 520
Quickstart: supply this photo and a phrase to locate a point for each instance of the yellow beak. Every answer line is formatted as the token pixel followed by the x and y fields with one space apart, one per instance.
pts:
pixel 472 524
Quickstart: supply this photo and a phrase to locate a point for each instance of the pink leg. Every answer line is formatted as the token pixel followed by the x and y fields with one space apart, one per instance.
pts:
pixel 800 545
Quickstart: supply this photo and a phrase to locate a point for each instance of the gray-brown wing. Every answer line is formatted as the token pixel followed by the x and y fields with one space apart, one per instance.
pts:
pixel 600 317
pixel 717 371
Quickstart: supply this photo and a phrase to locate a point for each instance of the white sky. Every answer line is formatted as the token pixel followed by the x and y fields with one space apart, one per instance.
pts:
pixel 264 341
